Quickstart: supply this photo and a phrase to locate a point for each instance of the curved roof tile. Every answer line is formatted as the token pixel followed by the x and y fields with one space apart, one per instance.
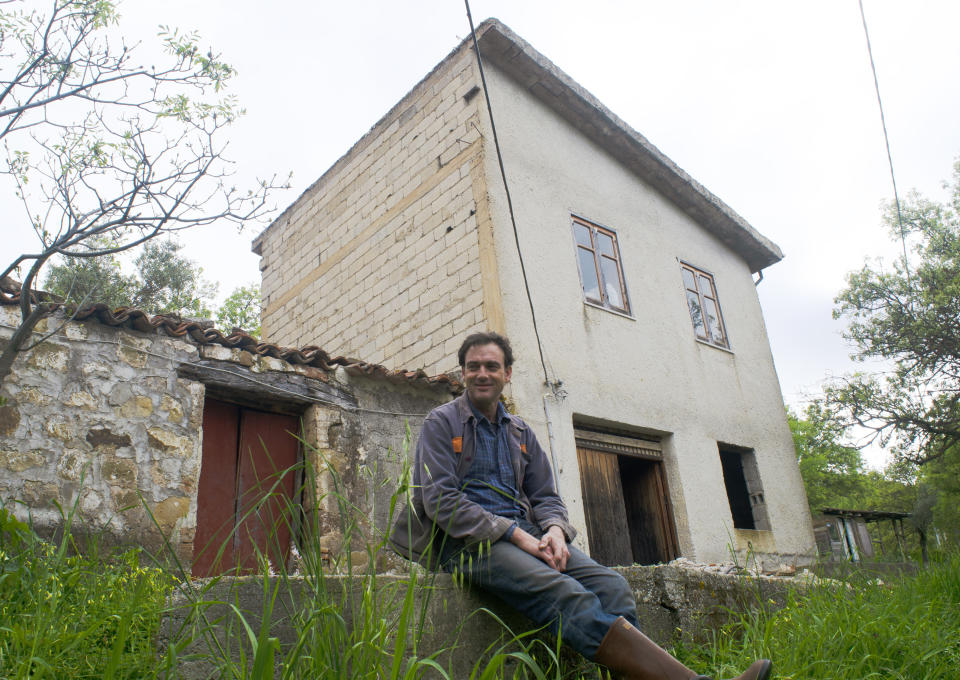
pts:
pixel 203 334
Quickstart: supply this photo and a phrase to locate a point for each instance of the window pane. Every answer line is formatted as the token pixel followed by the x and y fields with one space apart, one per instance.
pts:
pixel 688 280
pixel 611 282
pixel 713 321
pixel 605 244
pixel 588 273
pixel 696 314
pixel 706 286
pixel 582 234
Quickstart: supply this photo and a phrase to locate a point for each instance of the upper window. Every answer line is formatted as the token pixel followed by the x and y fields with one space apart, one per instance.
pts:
pixel 599 260
pixel 704 306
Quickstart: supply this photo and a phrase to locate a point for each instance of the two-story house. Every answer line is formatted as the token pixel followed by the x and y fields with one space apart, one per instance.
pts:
pixel 656 394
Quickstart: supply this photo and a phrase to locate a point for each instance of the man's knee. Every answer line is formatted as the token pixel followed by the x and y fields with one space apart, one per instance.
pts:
pixel 610 586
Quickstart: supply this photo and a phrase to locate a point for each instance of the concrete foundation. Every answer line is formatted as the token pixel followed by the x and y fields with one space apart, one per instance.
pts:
pixel 462 626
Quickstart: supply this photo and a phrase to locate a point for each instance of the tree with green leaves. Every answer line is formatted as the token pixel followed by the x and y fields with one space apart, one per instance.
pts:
pixel 242 309
pixel 906 313
pixel 163 282
pixel 104 153
pixel 832 472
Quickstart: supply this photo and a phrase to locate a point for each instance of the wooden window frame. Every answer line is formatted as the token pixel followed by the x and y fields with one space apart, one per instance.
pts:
pixel 598 257
pixel 707 336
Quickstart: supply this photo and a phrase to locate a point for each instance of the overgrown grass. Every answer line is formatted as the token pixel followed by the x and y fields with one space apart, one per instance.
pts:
pixel 69 615
pixel 346 620
pixel 906 628
pixel 90 615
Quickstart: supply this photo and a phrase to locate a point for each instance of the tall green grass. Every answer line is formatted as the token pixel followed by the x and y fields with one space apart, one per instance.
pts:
pixel 71 614
pixel 66 613
pixel 904 628
pixel 347 620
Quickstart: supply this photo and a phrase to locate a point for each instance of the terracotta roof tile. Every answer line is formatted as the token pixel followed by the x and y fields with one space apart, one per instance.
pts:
pixel 204 334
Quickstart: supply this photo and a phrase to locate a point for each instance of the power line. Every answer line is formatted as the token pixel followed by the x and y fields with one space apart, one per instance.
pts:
pixel 506 188
pixel 886 139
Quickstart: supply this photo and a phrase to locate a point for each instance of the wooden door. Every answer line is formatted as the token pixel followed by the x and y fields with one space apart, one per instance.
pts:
pixel 245 498
pixel 604 507
pixel 625 500
pixel 649 516
pixel 213 542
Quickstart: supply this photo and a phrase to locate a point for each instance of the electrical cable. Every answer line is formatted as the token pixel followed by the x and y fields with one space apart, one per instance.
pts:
pixel 506 189
pixel 886 138
pixel 893 179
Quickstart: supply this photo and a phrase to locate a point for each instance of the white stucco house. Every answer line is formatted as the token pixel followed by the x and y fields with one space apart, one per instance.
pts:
pixel 663 411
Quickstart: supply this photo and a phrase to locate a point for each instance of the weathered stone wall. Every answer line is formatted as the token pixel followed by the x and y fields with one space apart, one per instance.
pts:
pixel 380 257
pixel 97 418
pixel 100 417
pixel 673 603
pixel 359 456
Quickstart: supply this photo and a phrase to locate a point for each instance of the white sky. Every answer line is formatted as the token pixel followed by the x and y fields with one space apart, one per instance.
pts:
pixel 770 105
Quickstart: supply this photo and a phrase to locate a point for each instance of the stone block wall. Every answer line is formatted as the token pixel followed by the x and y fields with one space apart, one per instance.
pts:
pixel 460 625
pixel 380 258
pixel 97 417
pixel 358 459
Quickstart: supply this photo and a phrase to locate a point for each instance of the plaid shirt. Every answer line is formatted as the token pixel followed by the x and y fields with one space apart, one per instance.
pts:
pixel 490 482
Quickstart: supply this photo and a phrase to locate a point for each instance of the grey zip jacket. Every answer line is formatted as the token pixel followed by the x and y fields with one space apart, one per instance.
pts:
pixel 437 504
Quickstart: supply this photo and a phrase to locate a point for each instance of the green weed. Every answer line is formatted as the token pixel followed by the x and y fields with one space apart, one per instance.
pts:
pixel 70 615
pixel 907 628
pixel 66 613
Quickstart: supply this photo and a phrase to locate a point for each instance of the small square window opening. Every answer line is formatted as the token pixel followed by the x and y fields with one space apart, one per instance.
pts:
pixel 598 258
pixel 741 478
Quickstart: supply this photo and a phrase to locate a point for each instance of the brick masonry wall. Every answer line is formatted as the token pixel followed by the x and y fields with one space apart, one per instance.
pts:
pixel 97 416
pixel 380 258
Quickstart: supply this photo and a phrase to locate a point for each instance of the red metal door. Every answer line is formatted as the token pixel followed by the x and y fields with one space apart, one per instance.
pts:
pixel 268 451
pixel 245 498
pixel 213 543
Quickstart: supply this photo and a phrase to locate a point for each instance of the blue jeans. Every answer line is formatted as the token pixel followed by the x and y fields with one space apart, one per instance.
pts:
pixel 581 602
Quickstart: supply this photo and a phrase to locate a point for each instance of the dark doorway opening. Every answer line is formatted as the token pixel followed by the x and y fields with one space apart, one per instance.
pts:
pixel 741 478
pixel 245 498
pixel 737 494
pixel 626 502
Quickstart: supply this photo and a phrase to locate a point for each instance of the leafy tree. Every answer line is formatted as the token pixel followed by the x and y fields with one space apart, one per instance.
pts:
pixel 907 314
pixel 81 280
pixel 103 153
pixel 833 473
pixel 943 476
pixel 163 282
pixel 921 517
pixel 241 309
pixel 168 283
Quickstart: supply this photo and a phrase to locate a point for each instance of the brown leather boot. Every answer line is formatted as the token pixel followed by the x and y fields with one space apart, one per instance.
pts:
pixel 631 655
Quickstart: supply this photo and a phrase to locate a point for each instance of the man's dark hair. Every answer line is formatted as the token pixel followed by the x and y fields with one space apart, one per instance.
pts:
pixel 487 338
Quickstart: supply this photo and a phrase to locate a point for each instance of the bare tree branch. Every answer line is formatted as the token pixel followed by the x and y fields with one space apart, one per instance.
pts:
pixel 104 154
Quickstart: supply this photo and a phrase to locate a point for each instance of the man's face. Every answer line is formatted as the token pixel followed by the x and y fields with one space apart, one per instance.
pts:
pixel 484 374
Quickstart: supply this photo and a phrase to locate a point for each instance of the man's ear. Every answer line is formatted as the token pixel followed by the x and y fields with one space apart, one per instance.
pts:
pixel 508 373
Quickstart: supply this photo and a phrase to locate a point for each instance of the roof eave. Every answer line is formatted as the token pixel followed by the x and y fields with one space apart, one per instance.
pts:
pixel 538 75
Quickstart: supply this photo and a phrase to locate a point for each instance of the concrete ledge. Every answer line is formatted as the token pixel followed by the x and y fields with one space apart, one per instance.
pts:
pixel 673 603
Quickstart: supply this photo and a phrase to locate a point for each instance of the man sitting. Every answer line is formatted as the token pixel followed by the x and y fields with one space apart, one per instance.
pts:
pixel 485 506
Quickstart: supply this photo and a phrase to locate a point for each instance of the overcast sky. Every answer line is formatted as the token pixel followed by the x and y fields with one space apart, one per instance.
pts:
pixel 770 105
